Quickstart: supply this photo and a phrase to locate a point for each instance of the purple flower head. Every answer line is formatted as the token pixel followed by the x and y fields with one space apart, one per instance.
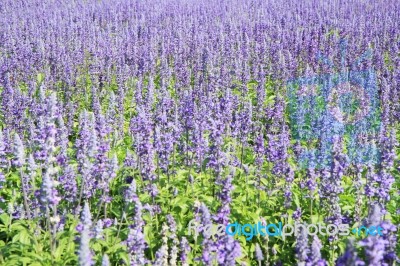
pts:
pixel 2 180
pixel 62 139
pixel 374 250
pixel 3 151
pixel 297 214
pixel 79 228
pixel 302 249
pixel 142 130
pixel 258 253
pixel 315 254
pixel 18 152
pixel 215 154
pixel 153 190
pixel 105 260
pixel 92 141
pixel 113 167
pixel 203 217
pixel 130 160
pixel 49 194
pixel 171 224
pixel 86 216
pixel 136 243
pixel 185 249
pixel 350 256
pixel 162 253
pixel 224 195
pixel 85 256
pixel 68 183
pixel 228 249
pixel 98 229
pixel 375 215
pixel 107 222
pixel 31 167
pixel 389 234
pixel 84 253
pixel 259 149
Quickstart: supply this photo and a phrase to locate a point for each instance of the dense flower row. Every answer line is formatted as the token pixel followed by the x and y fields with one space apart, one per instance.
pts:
pixel 123 120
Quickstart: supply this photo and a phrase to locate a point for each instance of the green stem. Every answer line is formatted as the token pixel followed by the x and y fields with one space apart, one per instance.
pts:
pixel 49 229
pixel 25 195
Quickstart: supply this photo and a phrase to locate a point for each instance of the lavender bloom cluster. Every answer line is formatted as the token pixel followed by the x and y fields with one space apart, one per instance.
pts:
pixel 120 121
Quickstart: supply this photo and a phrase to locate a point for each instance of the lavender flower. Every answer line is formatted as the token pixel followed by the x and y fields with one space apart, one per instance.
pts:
pixel 98 229
pixel 379 250
pixel 3 151
pixel 185 249
pixel 315 258
pixel 68 183
pixel 297 214
pixel 136 242
pixel 18 151
pixel 203 216
pixel 350 256
pixel 49 194
pixel 175 242
pixel 162 253
pixel 85 254
pixel 259 254
pixel 222 216
pixel 62 139
pixel 331 182
pixel 259 150
pixel 228 250
pixel 105 261
pixel 204 89
pixel 302 249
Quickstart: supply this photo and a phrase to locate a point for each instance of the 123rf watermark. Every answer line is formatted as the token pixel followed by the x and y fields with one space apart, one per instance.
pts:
pixel 280 230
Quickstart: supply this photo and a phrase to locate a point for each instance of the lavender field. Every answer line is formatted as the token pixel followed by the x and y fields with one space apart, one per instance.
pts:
pixel 131 128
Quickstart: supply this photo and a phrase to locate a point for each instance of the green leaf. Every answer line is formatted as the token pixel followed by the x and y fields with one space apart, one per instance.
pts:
pixel 5 218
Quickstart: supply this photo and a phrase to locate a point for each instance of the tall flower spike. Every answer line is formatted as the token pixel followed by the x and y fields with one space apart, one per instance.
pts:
pixel 331 181
pixel 141 127
pixel 86 217
pixel 185 249
pixel 302 248
pixel 258 253
pixel 85 254
pixel 49 193
pixel 228 250
pixel 259 150
pixel 203 216
pixel 98 229
pixel 3 159
pixel 82 140
pixel 68 183
pixel 174 238
pixel 136 242
pixel 3 162
pixel 374 246
pixel 224 195
pixel 31 173
pixel 19 161
pixel 350 257
pixel 105 261
pixel 18 151
pixel 315 258
pixel 92 143
pixel 62 139
pixel 162 253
